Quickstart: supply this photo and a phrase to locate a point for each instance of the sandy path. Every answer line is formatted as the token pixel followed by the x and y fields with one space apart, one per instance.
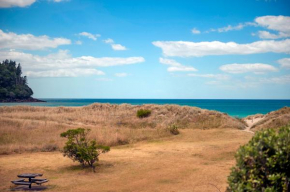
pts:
pixel 251 122
pixel 195 160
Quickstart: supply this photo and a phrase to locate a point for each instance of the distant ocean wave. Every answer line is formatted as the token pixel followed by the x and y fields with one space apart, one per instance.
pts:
pixel 234 107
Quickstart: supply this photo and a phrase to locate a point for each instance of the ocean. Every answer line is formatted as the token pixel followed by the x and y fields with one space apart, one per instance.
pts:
pixel 234 107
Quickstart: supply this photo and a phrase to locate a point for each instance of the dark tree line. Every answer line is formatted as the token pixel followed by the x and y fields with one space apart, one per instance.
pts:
pixel 12 84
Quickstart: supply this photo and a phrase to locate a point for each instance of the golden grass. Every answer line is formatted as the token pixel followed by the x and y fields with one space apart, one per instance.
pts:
pixel 274 119
pixel 196 160
pixel 26 128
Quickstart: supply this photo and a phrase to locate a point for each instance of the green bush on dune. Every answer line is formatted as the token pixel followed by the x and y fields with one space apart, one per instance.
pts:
pixel 264 163
pixel 142 113
pixel 80 149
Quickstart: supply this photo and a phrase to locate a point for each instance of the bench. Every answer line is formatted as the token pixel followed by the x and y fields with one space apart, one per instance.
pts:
pixel 39 181
pixel 18 180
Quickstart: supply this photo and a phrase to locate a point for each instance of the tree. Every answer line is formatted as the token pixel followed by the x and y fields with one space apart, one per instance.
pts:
pixel 12 84
pixel 264 163
pixel 80 149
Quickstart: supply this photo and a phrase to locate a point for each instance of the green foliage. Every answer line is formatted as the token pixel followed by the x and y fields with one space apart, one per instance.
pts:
pixel 264 163
pixel 141 113
pixel 78 148
pixel 173 129
pixel 12 84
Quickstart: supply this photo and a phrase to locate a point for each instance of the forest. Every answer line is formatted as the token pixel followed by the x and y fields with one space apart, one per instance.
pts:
pixel 13 86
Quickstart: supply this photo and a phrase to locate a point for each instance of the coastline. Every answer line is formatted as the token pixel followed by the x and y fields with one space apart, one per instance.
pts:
pixel 28 100
pixel 235 108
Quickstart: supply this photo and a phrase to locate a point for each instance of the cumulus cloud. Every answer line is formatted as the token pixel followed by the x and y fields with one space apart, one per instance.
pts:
pixel 64 73
pixel 116 47
pixel 276 23
pixel 121 74
pixel 90 36
pixel 199 49
pixel 29 42
pixel 175 66
pixel 195 31
pixel 55 64
pixel 16 3
pixel 285 63
pixel 280 24
pixel 257 68
pixel 213 76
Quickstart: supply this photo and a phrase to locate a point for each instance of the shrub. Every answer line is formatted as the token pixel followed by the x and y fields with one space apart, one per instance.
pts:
pixel 173 129
pixel 142 113
pixel 264 163
pixel 78 148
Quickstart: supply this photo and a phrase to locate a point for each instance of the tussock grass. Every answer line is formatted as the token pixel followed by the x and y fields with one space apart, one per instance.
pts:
pixel 27 128
pixel 274 119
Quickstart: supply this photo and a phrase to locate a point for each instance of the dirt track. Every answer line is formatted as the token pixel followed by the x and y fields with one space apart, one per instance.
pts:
pixel 195 160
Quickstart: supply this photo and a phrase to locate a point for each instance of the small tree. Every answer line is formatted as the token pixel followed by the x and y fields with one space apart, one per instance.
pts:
pixel 263 164
pixel 78 148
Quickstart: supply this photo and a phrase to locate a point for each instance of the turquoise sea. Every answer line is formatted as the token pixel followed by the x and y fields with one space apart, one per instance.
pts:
pixel 234 107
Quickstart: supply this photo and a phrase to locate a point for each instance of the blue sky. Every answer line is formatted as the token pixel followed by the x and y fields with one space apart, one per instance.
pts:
pixel 199 49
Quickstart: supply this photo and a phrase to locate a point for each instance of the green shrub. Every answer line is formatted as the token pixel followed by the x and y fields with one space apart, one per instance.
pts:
pixel 173 129
pixel 264 163
pixel 141 113
pixel 78 148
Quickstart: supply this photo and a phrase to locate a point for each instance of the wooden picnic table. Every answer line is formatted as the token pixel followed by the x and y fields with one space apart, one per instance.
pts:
pixel 31 179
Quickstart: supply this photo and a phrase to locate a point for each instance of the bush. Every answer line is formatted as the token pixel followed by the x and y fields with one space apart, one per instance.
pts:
pixel 78 148
pixel 173 129
pixel 141 113
pixel 264 163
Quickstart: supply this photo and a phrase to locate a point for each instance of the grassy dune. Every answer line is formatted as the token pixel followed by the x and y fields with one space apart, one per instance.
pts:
pixel 26 128
pixel 274 119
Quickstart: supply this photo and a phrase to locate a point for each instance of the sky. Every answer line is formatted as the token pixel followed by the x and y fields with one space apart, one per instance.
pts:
pixel 151 49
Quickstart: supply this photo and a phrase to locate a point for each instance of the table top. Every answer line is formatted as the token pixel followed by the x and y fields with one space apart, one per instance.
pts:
pixel 29 175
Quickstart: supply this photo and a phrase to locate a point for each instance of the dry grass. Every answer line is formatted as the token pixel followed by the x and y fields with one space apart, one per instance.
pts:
pixel 26 128
pixel 195 160
pixel 274 119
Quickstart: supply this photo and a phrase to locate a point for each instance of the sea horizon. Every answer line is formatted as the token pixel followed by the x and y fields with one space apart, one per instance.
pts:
pixel 234 107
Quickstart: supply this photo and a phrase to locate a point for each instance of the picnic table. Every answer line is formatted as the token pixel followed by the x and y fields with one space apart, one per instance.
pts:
pixel 31 179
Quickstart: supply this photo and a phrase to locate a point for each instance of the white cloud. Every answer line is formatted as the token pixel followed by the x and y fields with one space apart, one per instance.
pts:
pixel 214 76
pixel 78 42
pixel 279 24
pixel 234 28
pixel 109 41
pixel 257 68
pixel 121 74
pixel 276 23
pixel 195 31
pixel 64 73
pixel 29 42
pixel 57 1
pixel 285 63
pixel 285 79
pixel 53 64
pixel 199 49
pixel 16 3
pixel 116 47
pixel 240 26
pixel 175 66
pixel 90 36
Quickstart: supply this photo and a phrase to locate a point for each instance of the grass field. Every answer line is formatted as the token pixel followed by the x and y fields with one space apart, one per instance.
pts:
pixel 195 160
